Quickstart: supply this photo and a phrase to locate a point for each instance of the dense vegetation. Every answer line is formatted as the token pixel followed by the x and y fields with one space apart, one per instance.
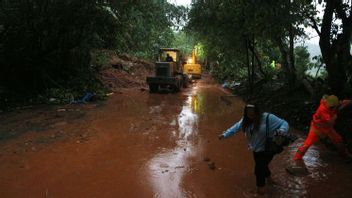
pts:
pixel 244 37
pixel 45 45
pixel 254 42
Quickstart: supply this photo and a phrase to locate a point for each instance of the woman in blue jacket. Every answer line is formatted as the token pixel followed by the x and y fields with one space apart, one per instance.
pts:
pixel 253 124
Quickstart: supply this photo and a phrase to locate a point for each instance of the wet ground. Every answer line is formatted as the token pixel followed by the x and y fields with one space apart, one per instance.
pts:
pixel 137 144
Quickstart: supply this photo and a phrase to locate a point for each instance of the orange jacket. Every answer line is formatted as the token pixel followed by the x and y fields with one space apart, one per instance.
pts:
pixel 324 118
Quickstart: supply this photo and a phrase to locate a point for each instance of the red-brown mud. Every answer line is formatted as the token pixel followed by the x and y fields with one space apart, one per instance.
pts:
pixel 138 144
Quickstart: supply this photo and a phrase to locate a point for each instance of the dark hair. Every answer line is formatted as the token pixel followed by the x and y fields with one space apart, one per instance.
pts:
pixel 246 122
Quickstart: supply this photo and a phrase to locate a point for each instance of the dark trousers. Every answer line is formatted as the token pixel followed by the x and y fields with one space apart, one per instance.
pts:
pixel 261 170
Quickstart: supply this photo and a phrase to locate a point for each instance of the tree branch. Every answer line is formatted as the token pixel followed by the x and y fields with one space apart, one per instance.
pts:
pixel 315 25
pixel 341 13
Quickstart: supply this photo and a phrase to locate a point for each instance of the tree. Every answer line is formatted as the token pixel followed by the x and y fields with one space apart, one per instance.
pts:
pixel 232 28
pixel 302 60
pixel 335 41
pixel 46 44
pixel 145 26
pixel 184 41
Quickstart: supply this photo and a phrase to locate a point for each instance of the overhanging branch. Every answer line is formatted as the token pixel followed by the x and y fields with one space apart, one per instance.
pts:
pixel 315 25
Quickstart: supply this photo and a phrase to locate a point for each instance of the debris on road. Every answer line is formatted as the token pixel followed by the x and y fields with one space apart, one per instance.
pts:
pixel 297 170
pixel 211 165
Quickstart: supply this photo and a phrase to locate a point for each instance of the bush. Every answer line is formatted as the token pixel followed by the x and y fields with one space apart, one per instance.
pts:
pixel 45 45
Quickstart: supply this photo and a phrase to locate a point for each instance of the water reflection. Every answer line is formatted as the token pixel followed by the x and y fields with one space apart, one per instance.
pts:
pixel 306 171
pixel 168 167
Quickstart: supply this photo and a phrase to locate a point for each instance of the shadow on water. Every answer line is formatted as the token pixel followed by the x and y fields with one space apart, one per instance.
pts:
pixel 167 168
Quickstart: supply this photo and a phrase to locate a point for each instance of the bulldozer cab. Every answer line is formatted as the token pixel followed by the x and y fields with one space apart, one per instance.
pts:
pixel 174 54
pixel 164 52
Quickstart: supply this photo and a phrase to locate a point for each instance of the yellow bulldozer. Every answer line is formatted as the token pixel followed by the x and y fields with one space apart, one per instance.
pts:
pixel 168 71
pixel 192 68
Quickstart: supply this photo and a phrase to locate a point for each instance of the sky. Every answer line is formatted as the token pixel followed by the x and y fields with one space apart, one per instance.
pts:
pixel 181 2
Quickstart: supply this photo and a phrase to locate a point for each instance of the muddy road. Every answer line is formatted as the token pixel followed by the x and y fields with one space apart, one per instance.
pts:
pixel 137 144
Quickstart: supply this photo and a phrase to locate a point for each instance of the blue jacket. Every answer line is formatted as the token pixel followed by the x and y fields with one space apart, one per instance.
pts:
pixel 256 140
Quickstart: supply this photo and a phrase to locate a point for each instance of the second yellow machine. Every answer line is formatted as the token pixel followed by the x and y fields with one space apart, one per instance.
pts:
pixel 192 68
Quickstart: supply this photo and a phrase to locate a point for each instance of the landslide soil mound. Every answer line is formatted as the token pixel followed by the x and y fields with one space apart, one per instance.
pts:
pixel 124 71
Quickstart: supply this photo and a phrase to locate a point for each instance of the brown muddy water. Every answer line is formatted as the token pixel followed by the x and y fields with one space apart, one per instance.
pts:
pixel 154 145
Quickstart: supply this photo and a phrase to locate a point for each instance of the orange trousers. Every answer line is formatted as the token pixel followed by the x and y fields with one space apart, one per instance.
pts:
pixel 313 137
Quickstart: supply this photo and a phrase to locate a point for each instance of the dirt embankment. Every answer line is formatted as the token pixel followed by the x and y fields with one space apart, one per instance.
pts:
pixel 124 71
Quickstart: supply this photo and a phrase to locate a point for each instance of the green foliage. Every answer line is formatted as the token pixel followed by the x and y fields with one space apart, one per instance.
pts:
pixel 69 95
pixel 100 59
pixel 302 60
pixel 228 28
pixel 200 52
pixel 184 41
pixel 318 70
pixel 145 26
pixel 56 96
pixel 46 44
pixel 228 70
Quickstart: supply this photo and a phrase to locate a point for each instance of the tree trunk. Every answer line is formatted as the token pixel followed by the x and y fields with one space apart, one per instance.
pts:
pixel 336 52
pixel 287 64
pixel 252 77
pixel 250 82
pixel 257 58
pixel 292 57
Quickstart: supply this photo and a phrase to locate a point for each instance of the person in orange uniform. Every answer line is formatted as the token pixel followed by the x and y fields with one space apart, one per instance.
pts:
pixel 322 126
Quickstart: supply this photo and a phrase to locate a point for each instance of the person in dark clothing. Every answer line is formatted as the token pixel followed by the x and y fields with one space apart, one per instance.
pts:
pixel 169 58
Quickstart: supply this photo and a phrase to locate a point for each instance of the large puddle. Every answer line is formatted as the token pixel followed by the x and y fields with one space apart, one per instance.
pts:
pixel 160 145
pixel 168 168
pixel 181 172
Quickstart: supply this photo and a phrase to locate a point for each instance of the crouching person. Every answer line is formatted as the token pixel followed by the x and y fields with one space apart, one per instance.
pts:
pixel 322 126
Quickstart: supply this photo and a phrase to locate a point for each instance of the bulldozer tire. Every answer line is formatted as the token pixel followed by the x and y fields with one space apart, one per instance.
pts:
pixel 185 81
pixel 177 88
pixel 185 84
pixel 153 88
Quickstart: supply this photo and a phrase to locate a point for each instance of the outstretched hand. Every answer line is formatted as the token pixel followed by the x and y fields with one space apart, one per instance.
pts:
pixel 221 136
